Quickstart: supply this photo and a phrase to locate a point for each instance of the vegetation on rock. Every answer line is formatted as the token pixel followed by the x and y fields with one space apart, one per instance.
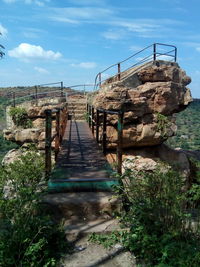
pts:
pixel 20 117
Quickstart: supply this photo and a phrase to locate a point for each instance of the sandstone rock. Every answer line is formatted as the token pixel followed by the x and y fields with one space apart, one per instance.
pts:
pixel 149 98
pixel 147 159
pixel 21 136
pixel 12 156
pixel 38 123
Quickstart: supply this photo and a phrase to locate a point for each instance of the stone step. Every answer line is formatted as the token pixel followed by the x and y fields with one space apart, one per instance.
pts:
pixel 76 108
pixel 79 111
pixel 78 117
pixel 83 205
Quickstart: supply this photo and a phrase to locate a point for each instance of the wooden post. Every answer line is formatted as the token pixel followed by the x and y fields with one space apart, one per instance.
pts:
pixel 57 138
pixel 92 120
pixel 104 132
pixel 119 142
pixel 48 143
pixel 97 126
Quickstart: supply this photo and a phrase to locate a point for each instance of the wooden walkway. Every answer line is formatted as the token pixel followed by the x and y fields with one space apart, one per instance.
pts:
pixel 81 165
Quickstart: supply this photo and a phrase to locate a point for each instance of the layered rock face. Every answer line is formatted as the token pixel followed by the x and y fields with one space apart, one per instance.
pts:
pixel 36 134
pixel 149 97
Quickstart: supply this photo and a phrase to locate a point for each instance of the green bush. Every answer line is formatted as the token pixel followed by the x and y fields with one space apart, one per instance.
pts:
pixel 161 231
pixel 28 235
pixel 20 117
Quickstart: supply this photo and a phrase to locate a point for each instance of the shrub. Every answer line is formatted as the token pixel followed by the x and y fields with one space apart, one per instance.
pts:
pixel 161 229
pixel 20 117
pixel 28 236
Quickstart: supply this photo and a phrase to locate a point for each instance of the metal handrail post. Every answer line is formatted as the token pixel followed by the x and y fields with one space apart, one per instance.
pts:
pixel 119 71
pixel 89 109
pixel 119 142
pixel 99 78
pixel 97 126
pixel 14 104
pixel 48 129
pixel 104 132
pixel 57 139
pixel 154 52
pixel 92 120
pixel 36 95
pixel 61 89
pixel 175 54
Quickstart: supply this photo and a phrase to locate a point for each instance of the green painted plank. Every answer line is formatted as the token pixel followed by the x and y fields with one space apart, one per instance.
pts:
pixel 78 186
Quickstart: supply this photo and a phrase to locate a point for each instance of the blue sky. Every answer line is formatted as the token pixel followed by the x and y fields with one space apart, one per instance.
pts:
pixel 72 40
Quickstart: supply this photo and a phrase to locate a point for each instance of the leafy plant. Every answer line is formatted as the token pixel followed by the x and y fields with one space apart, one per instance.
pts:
pixel 20 117
pixel 161 230
pixel 163 124
pixel 28 235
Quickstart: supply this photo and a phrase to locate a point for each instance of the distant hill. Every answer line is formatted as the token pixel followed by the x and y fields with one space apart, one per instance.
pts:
pixel 188 123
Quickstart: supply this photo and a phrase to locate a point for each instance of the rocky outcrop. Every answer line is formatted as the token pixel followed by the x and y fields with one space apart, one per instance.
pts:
pixel 149 98
pixel 36 134
pixel 149 158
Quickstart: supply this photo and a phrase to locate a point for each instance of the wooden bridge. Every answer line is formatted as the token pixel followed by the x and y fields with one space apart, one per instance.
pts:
pixel 81 164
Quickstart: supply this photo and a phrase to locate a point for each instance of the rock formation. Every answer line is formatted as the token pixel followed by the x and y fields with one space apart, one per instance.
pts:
pixel 36 134
pixel 149 97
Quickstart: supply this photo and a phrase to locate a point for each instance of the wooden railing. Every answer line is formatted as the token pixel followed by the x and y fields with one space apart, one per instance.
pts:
pixel 95 123
pixel 61 116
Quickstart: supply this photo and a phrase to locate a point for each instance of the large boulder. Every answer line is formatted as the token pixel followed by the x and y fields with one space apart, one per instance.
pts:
pixel 149 97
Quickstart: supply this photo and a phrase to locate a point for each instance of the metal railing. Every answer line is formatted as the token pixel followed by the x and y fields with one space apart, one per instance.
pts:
pixel 60 114
pixel 95 123
pixel 153 53
pixel 44 91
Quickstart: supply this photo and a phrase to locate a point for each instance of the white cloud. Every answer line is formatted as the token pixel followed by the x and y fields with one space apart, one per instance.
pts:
pixel 36 2
pixel 41 70
pixel 3 30
pixel 27 51
pixel 113 35
pixel 87 2
pixel 79 14
pixel 85 65
pixel 198 49
pixel 9 1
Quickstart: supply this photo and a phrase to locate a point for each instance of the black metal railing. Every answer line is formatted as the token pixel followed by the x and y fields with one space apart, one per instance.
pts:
pixel 44 91
pixel 95 123
pixel 153 52
pixel 61 116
